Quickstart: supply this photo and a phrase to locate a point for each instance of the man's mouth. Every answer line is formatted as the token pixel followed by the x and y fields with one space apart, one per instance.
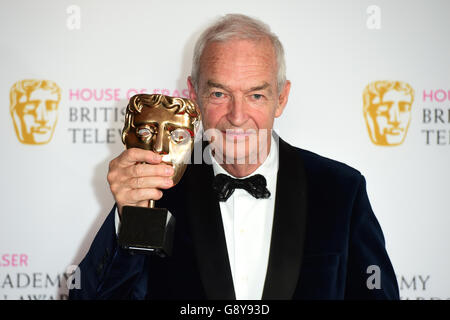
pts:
pixel 238 134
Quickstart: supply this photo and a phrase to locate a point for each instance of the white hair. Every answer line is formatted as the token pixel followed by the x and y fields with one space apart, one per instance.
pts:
pixel 238 26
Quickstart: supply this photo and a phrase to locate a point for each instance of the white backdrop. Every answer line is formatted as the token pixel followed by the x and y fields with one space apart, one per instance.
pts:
pixel 55 196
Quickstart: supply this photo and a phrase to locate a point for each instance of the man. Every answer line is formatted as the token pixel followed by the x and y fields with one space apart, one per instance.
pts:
pixel 310 235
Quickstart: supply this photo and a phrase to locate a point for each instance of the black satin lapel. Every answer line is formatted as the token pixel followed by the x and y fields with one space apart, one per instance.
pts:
pixel 288 231
pixel 208 233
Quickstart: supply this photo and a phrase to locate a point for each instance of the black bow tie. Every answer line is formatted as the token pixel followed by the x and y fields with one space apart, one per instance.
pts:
pixel 224 185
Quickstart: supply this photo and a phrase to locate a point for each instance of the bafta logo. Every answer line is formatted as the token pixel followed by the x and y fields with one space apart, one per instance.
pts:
pixel 34 110
pixel 387 111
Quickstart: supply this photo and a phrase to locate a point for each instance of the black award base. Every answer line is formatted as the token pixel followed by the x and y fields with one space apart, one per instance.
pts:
pixel 146 230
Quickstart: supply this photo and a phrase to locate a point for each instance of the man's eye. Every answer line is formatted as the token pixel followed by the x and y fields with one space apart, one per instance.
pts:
pixel 257 96
pixel 180 135
pixel 144 132
pixel 217 94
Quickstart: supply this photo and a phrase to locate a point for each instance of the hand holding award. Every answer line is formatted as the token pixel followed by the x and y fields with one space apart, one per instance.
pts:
pixel 164 125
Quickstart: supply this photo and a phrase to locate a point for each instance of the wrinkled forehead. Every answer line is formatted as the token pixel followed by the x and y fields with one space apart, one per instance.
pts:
pixel 393 96
pixel 238 56
pixel 160 114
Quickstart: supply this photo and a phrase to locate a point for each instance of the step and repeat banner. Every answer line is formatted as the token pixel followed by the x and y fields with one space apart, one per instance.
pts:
pixel 370 88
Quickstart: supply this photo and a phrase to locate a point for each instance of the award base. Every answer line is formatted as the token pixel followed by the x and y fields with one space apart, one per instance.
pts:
pixel 147 230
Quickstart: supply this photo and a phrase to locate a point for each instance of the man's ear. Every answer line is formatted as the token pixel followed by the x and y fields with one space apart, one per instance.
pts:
pixel 283 98
pixel 193 96
pixel 192 93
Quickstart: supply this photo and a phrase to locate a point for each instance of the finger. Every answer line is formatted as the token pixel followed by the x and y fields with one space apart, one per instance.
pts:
pixel 149 182
pixel 149 170
pixel 142 204
pixel 137 195
pixel 133 155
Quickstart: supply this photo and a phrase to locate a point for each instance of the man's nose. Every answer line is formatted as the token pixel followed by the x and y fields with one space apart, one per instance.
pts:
pixel 161 143
pixel 41 113
pixel 237 114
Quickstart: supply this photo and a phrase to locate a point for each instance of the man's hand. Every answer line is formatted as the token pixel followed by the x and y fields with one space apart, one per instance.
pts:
pixel 136 176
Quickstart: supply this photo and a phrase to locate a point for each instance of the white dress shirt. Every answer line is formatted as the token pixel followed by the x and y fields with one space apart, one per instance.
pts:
pixel 247 223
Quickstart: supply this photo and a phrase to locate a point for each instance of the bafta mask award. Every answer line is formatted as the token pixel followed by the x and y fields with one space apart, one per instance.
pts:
pixel 165 125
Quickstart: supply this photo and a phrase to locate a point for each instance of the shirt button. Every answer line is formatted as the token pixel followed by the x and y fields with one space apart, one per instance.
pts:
pixel 242 231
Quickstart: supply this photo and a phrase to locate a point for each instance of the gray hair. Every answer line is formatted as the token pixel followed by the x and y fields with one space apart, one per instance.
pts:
pixel 238 26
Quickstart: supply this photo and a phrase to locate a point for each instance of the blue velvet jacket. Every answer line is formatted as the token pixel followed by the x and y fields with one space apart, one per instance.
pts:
pixel 325 236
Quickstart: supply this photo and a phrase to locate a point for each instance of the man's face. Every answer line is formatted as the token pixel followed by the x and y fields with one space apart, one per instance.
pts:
pixel 391 114
pixel 35 116
pixel 238 94
pixel 162 131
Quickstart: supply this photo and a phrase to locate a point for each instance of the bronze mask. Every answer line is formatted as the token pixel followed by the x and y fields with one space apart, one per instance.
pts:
pixel 162 124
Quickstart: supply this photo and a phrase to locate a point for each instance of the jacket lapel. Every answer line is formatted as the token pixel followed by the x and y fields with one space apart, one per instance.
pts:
pixel 288 231
pixel 208 233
